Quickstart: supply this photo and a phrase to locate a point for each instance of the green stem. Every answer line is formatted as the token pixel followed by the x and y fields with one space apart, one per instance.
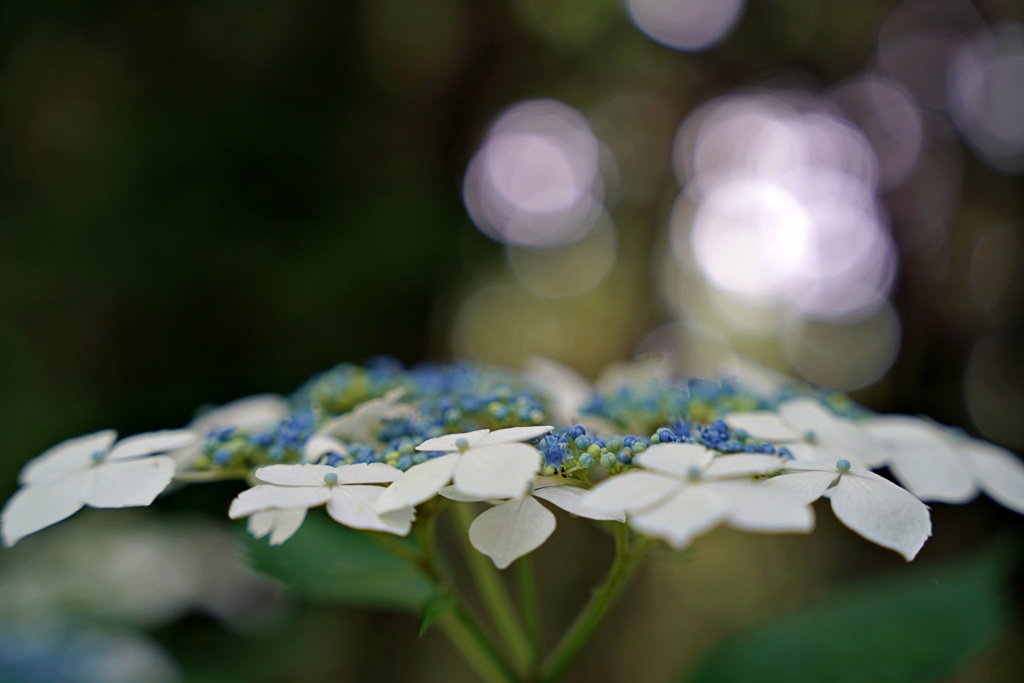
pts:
pixel 494 594
pixel 474 647
pixel 528 604
pixel 458 624
pixel 626 561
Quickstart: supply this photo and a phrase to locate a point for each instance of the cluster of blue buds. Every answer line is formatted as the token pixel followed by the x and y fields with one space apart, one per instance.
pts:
pixel 462 397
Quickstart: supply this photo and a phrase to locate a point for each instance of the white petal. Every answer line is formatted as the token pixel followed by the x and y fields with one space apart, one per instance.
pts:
pixel 629 492
pixel 247 414
pixel 845 440
pixel 999 472
pixel 882 512
pixel 765 509
pixel 508 531
pixel 320 445
pixel 743 465
pixel 129 483
pixel 502 471
pixel 693 511
pixel 570 499
pixel 804 487
pixel 942 474
pixel 566 390
pixel 361 423
pixel 280 524
pixel 806 415
pixel 152 442
pixel 38 506
pixel 271 497
pixel 452 493
pixel 511 435
pixel 294 475
pixel 447 442
pixel 923 458
pixel 66 457
pixel 367 473
pixel 675 458
pixel 763 425
pixel 805 452
pixel 418 483
pixel 632 373
pixel 354 506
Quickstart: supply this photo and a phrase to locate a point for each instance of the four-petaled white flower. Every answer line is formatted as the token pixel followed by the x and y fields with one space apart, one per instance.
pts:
pixel 684 491
pixel 362 422
pixel 519 526
pixel 249 414
pixel 481 463
pixel 871 505
pixel 811 432
pixel 348 491
pixel 936 464
pixel 90 471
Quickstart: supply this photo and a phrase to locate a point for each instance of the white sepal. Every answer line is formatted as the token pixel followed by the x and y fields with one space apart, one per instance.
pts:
pixel 418 484
pixel 512 529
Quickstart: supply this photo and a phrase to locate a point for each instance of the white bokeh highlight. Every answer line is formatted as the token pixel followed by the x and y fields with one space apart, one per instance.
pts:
pixel 536 179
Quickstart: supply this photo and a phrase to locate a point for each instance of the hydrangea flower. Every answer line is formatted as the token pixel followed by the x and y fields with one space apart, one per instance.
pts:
pixel 90 471
pixel 684 491
pixel 937 464
pixel 810 432
pixel 481 463
pixel 520 525
pixel 348 491
pixel 870 505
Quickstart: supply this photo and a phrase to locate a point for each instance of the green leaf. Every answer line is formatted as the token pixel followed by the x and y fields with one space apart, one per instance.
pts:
pixel 328 561
pixel 434 609
pixel 912 629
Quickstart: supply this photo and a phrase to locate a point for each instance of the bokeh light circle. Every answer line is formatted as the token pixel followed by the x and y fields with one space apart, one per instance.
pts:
pixel 535 181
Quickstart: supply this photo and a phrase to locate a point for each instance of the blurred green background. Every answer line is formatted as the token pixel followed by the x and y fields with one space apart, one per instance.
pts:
pixel 204 200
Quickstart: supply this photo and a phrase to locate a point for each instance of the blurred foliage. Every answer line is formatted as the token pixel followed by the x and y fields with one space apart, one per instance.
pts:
pixel 914 628
pixel 326 561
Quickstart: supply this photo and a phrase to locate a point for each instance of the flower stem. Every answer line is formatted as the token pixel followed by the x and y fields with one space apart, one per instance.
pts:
pixel 494 594
pixel 627 559
pixel 458 624
pixel 528 604
pixel 474 647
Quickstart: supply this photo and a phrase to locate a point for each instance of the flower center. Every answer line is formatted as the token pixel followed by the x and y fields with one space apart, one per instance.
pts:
pixel 98 456
pixel 462 445
pixel 331 478
pixel 810 436
pixel 843 466
pixel 694 473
